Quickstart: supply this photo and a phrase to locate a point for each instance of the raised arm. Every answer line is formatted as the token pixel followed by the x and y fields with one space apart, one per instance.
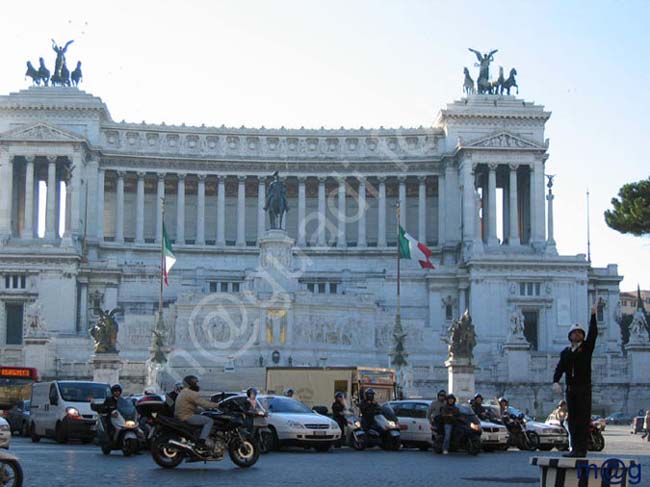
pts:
pixel 590 341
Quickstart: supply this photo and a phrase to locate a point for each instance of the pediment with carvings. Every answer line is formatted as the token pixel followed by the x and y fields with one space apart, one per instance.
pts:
pixel 502 140
pixel 40 132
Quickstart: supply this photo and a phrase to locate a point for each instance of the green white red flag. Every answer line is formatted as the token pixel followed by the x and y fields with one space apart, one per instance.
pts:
pixel 169 259
pixel 409 248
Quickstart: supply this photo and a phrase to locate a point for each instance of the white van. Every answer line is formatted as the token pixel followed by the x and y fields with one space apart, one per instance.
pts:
pixel 61 409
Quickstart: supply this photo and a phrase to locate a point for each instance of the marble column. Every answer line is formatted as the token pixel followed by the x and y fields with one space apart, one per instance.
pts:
pixel 261 203
pixel 119 216
pixel 241 211
pixel 28 228
pixel 422 209
pixel 322 216
pixel 100 204
pixel 361 222
pixel 492 205
pixel 402 201
pixel 540 214
pixel 301 212
pixel 180 210
pixel 139 209
pixel 160 201
pixel 469 203
pixel 441 210
pixel 83 307
pixel 74 194
pixel 90 198
pixel 51 232
pixel 341 221
pixel 221 210
pixel 550 239
pixel 200 210
pixel 513 232
pixel 6 193
pixel 381 213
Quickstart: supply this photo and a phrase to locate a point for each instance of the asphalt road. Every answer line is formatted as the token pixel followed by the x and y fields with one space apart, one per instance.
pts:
pixel 75 465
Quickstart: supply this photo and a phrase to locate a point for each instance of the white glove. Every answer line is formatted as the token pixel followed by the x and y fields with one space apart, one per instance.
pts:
pixel 557 388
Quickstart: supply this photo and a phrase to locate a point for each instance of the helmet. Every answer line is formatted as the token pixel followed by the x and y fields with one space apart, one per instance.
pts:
pixel 251 391
pixel 370 392
pixel 451 396
pixel 441 392
pixel 178 386
pixel 148 391
pixel 339 394
pixel 477 395
pixel 191 382
pixel 503 399
pixel 288 392
pixel 116 387
pixel 574 327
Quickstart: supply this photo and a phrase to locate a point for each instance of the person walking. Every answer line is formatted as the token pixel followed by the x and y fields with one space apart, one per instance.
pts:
pixel 575 365
pixel 646 425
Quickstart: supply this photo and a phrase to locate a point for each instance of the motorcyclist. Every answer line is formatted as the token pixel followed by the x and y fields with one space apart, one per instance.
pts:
pixel 504 413
pixel 368 408
pixel 252 408
pixel 288 392
pixel 189 404
pixel 111 404
pixel 478 408
pixel 450 417
pixel 339 407
pixel 435 410
pixel 170 398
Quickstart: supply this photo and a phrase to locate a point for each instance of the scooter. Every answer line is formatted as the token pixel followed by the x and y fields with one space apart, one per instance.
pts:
pixel 11 473
pixel 123 433
pixel 519 436
pixel 464 437
pixel 354 435
pixel 384 431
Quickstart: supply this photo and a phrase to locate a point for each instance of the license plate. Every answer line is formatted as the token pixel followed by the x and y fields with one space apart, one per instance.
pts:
pixel 403 427
pixel 320 433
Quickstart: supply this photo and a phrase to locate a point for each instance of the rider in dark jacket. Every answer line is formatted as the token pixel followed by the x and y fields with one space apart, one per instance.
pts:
pixel 338 411
pixel 369 408
pixel 477 407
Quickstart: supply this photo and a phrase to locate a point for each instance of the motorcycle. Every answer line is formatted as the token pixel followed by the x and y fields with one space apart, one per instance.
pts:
pixel 519 436
pixel 596 440
pixel 11 473
pixel 175 441
pixel 117 429
pixel 148 407
pixel 354 435
pixel 384 431
pixel 464 437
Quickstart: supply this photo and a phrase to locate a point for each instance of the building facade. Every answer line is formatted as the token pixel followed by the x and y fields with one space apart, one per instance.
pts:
pixel 82 204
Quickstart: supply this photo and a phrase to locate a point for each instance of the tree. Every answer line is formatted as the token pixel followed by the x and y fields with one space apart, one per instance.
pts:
pixel 631 212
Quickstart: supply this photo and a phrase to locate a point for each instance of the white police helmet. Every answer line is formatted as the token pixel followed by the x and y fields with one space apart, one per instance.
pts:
pixel 576 326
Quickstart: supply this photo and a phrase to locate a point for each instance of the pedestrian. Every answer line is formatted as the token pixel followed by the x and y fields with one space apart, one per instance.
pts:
pixel 450 416
pixel 435 411
pixel 646 425
pixel 575 365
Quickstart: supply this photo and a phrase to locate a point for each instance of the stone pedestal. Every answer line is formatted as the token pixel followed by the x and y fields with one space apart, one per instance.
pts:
pixel 638 354
pixel 461 378
pixel 106 367
pixel 276 262
pixel 517 353
pixel 36 354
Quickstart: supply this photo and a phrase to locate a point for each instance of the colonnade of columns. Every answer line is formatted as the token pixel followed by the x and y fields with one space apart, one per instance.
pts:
pixel 364 189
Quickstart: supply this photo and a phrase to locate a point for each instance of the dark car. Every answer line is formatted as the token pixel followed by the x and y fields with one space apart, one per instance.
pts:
pixel 618 418
pixel 18 417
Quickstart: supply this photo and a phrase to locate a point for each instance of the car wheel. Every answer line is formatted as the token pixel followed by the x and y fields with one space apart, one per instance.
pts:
pixel 545 447
pixel 533 440
pixel 35 437
pixel 275 441
pixel 59 434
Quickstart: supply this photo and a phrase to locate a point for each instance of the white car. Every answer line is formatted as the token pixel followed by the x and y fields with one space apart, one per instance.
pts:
pixel 550 436
pixel 416 430
pixel 294 424
pixel 5 433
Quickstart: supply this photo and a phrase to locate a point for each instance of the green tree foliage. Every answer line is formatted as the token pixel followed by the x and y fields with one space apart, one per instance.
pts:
pixel 631 212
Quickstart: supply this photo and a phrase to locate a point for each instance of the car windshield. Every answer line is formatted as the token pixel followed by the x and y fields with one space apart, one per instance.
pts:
pixel 83 391
pixel 285 405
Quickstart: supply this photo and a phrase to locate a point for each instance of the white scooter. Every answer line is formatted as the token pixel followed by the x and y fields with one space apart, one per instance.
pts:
pixel 124 433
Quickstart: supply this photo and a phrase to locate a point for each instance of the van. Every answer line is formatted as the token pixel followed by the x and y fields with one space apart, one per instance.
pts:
pixel 60 410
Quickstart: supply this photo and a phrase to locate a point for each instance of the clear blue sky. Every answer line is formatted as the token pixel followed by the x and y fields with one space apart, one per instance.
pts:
pixel 371 63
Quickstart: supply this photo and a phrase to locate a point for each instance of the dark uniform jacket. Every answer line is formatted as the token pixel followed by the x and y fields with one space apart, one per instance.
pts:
pixel 480 411
pixel 577 365
pixel 450 414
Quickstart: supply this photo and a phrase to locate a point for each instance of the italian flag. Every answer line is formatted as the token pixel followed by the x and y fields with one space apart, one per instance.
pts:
pixel 169 259
pixel 409 248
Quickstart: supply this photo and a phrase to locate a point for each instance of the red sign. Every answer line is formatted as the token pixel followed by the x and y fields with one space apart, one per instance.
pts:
pixel 24 372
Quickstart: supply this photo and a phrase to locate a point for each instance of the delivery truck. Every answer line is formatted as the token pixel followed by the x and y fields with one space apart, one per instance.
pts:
pixel 316 386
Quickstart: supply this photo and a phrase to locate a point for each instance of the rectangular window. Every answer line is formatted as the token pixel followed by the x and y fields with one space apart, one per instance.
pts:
pixel 529 289
pixel 538 288
pixel 449 312
pixel 321 287
pixel 531 328
pixel 14 313
pixel 224 287
pixel 235 287
pixel 7 282
pixel 213 287
pixel 14 283
pixel 310 287
pixel 599 313
pixel 333 288
pixel 522 289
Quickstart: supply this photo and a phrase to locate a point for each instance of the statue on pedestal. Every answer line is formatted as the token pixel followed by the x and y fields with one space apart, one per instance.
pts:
pixel 517 322
pixel 104 332
pixel 36 326
pixel 462 338
pixel 276 202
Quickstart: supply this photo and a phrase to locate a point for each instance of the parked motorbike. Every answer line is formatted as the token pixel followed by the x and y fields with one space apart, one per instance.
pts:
pixel 464 437
pixel 11 473
pixel 519 436
pixel 595 440
pixel 118 429
pixel 175 441
pixel 384 431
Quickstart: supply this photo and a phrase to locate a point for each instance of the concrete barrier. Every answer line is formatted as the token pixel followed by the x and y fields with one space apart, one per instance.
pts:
pixel 587 472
